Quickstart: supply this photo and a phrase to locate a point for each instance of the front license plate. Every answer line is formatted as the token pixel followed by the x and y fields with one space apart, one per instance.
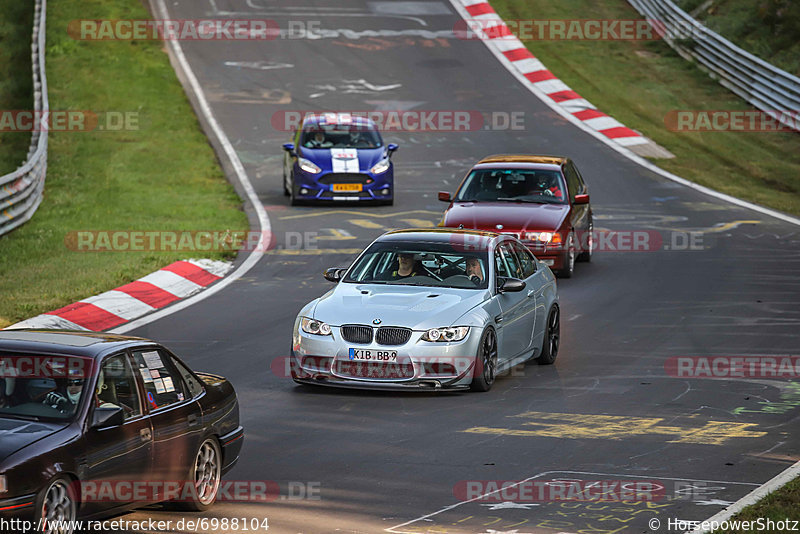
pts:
pixel 372 355
pixel 347 188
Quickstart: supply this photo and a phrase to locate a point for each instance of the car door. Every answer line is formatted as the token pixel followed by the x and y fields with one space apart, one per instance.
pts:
pixel 517 314
pixel 534 289
pixel 116 457
pixel 175 415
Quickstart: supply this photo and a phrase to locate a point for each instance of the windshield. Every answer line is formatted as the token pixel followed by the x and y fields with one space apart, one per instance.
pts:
pixel 340 136
pixel 513 185
pixel 41 387
pixel 421 264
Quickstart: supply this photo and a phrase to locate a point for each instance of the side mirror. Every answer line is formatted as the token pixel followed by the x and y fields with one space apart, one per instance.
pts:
pixel 392 147
pixel 334 274
pixel 289 147
pixel 510 285
pixel 581 199
pixel 444 196
pixel 104 417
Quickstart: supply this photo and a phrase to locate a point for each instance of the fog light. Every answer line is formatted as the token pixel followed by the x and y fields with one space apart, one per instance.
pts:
pixel 385 191
pixel 304 191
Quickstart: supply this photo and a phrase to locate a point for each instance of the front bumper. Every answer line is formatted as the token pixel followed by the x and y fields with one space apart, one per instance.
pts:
pixel 366 186
pixel 420 365
pixel 553 257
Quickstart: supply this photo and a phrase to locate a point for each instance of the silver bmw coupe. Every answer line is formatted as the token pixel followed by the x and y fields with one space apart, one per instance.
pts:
pixel 429 309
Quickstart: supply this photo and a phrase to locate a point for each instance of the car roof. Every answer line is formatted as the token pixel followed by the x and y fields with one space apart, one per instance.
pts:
pixel 434 235
pixel 75 343
pixel 337 119
pixel 520 161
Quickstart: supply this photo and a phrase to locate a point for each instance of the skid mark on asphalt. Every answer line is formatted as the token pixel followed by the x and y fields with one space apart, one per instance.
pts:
pixel 522 507
pixel 580 426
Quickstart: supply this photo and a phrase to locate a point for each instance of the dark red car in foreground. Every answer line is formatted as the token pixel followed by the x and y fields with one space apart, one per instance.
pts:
pixel 542 200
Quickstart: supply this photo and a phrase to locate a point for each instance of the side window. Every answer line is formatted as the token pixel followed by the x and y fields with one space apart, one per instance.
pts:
pixel 581 183
pixel 162 384
pixel 572 180
pixel 500 264
pixel 511 260
pixel 526 260
pixel 116 386
pixel 193 385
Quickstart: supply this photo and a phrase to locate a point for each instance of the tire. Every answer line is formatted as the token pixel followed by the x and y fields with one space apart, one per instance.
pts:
pixel 552 337
pixel 485 362
pixel 56 502
pixel 569 258
pixel 586 255
pixel 205 473
pixel 293 200
pixel 286 191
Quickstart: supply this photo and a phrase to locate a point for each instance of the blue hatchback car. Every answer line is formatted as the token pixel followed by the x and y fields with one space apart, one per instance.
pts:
pixel 338 156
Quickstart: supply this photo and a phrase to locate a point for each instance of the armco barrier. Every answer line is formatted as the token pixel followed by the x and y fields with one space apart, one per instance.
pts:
pixel 21 190
pixel 765 86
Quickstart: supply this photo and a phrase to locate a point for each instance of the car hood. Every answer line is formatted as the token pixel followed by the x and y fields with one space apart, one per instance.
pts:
pixel 345 159
pixel 512 215
pixel 419 308
pixel 16 434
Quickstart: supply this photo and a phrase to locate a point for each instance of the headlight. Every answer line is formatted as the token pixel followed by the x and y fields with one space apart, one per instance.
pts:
pixel 380 167
pixel 308 166
pixel 444 334
pixel 544 237
pixel 312 326
pixel 3 484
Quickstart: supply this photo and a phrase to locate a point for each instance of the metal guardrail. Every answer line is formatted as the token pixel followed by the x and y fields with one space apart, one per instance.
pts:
pixel 765 86
pixel 21 190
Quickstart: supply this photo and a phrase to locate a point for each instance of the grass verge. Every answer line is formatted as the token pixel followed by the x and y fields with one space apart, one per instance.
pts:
pixel 639 82
pixel 16 88
pixel 161 176
pixel 781 505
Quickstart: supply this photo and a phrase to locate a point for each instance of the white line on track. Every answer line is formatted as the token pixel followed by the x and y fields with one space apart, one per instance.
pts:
pixel 182 66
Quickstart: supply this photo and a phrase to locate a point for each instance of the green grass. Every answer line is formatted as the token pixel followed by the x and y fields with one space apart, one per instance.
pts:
pixel 769 29
pixel 163 176
pixel 779 506
pixel 16 87
pixel 639 82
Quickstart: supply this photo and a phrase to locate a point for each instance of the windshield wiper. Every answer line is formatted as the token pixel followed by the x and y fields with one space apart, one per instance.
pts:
pixel 21 417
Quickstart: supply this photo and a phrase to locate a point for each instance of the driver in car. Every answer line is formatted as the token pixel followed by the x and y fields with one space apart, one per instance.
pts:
pixel 544 186
pixel 319 141
pixel 407 267
pixel 474 270
pixel 66 403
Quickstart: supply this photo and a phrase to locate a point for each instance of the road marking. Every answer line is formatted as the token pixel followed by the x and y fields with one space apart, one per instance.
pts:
pixel 259 65
pixel 419 223
pixel 580 426
pixel 365 223
pixel 320 213
pixel 336 234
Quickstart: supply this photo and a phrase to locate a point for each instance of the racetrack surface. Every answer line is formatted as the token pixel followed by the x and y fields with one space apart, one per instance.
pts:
pixel 386 459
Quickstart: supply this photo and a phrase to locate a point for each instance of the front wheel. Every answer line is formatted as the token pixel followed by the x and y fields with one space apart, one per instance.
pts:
pixel 485 362
pixel 552 338
pixel 56 507
pixel 205 474
pixel 586 254
pixel 569 258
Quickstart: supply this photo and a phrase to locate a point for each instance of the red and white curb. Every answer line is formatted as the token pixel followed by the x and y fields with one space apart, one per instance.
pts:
pixel 131 301
pixel 497 36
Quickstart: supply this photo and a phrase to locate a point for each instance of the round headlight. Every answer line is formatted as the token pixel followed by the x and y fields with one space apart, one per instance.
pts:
pixel 434 334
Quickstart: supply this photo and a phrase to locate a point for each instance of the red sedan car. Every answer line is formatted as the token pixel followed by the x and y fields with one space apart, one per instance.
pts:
pixel 542 200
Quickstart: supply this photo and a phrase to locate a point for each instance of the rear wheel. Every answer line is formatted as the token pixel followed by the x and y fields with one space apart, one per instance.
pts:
pixel 56 507
pixel 569 258
pixel 552 337
pixel 485 362
pixel 586 255
pixel 205 474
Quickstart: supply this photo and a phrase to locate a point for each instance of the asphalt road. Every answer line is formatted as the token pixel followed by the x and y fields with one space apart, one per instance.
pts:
pixel 381 460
